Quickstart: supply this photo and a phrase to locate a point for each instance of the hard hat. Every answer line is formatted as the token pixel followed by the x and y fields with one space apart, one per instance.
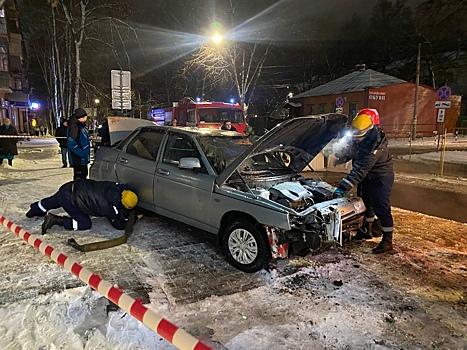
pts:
pixel 362 124
pixel 372 113
pixel 129 199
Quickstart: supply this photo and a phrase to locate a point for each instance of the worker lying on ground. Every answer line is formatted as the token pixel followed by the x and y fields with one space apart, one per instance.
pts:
pixel 83 198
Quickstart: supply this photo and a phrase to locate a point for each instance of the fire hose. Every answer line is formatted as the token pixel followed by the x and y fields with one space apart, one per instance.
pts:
pixel 108 243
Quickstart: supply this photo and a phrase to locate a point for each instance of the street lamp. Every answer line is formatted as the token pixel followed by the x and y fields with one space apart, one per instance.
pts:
pixel 94 122
pixel 217 38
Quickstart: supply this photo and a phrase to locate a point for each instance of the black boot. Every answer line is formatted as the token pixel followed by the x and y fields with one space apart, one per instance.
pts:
pixel 364 232
pixel 376 230
pixel 10 162
pixel 385 245
pixel 51 220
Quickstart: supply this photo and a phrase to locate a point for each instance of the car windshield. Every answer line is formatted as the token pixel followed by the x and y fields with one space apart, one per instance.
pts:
pixel 222 150
pixel 218 115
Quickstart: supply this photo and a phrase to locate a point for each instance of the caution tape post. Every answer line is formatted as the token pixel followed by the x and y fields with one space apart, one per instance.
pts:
pixel 177 336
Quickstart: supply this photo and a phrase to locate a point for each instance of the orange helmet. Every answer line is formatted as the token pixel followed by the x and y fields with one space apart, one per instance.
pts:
pixel 372 113
pixel 361 125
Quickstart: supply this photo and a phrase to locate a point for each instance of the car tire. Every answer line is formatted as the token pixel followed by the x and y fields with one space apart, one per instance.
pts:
pixel 245 246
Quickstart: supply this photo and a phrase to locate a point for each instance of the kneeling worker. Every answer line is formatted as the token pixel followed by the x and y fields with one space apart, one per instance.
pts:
pixel 83 198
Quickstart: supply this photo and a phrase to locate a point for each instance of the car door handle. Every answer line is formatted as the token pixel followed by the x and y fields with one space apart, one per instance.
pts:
pixel 123 160
pixel 163 172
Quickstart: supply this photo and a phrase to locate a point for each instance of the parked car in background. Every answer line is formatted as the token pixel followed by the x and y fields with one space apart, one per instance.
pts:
pixel 252 196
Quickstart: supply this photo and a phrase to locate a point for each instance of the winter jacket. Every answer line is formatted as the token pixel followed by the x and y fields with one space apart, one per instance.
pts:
pixel 8 145
pixel 79 150
pixel 371 159
pixel 100 198
pixel 61 133
pixel 104 133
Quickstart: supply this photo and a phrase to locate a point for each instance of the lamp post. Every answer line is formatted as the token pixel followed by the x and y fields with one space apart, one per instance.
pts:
pixel 96 102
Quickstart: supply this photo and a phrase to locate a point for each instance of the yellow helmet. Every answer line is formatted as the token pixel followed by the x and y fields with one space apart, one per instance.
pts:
pixel 362 124
pixel 129 199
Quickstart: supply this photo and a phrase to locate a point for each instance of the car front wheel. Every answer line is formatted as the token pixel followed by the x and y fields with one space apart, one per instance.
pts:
pixel 245 247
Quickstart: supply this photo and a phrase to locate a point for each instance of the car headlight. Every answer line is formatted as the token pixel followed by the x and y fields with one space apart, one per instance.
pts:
pixel 359 206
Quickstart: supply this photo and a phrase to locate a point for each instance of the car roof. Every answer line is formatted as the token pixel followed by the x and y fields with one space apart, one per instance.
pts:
pixel 195 130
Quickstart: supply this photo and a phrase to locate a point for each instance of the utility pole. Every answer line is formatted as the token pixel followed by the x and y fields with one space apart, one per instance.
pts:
pixel 417 83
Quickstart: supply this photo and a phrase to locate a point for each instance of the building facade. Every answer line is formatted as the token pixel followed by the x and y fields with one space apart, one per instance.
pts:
pixel 394 99
pixel 13 69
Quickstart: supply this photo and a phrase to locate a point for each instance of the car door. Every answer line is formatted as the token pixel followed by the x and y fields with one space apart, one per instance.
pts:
pixel 136 164
pixel 183 194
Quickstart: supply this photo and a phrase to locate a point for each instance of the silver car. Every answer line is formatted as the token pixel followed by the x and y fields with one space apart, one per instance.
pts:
pixel 252 196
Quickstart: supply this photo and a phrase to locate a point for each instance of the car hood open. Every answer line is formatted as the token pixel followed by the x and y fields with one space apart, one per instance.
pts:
pixel 304 137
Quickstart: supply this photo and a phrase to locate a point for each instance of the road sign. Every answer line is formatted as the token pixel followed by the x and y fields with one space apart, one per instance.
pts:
pixel 339 102
pixel 441 113
pixel 120 79
pixel 443 104
pixel 125 104
pixel 444 92
pixel 339 109
pixel 120 82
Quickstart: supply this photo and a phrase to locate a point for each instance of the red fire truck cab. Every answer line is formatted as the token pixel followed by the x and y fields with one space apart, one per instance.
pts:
pixel 188 112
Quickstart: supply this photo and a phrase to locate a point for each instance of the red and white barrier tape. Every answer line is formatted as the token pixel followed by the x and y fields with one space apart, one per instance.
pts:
pixel 177 336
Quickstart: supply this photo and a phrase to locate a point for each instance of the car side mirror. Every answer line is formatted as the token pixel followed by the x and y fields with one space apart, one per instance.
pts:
pixel 189 163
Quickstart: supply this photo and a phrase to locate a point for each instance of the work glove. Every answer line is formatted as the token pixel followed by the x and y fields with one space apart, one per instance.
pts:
pixel 339 193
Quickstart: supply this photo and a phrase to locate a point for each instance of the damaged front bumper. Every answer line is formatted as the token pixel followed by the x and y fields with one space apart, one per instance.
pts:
pixel 327 223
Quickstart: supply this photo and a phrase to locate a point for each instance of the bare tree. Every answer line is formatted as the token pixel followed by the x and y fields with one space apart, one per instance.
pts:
pixel 68 32
pixel 239 64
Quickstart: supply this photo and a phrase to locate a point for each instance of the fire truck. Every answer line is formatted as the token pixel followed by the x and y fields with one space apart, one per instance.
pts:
pixel 188 112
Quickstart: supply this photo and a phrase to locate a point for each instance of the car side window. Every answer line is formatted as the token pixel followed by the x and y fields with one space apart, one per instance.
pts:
pixel 180 146
pixel 146 144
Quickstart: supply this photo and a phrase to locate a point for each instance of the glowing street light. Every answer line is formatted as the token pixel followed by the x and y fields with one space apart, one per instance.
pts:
pixel 97 101
pixel 217 38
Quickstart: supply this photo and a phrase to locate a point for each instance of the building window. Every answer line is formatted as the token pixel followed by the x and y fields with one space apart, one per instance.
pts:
pixel 3 55
pixel 311 109
pixel 322 108
pixel 353 107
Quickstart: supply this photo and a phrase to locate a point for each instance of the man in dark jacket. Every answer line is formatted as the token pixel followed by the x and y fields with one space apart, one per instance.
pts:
pixel 372 166
pixel 227 126
pixel 104 133
pixel 83 198
pixel 8 148
pixel 79 145
pixel 60 134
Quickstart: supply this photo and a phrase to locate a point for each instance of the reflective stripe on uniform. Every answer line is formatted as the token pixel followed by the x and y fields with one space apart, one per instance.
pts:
pixel 39 204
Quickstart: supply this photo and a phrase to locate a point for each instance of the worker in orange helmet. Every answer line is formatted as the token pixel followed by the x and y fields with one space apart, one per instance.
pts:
pixel 372 113
pixel 372 167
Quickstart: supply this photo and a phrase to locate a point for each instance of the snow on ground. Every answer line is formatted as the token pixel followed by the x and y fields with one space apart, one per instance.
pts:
pixel 333 302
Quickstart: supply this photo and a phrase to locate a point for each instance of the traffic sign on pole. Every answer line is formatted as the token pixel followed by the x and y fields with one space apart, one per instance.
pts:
pixel 120 82
pixel 339 102
pixel 444 92
pixel 441 114
pixel 443 104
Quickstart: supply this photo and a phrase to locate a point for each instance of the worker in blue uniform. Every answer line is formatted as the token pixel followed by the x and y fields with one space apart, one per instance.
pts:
pixel 372 167
pixel 83 198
